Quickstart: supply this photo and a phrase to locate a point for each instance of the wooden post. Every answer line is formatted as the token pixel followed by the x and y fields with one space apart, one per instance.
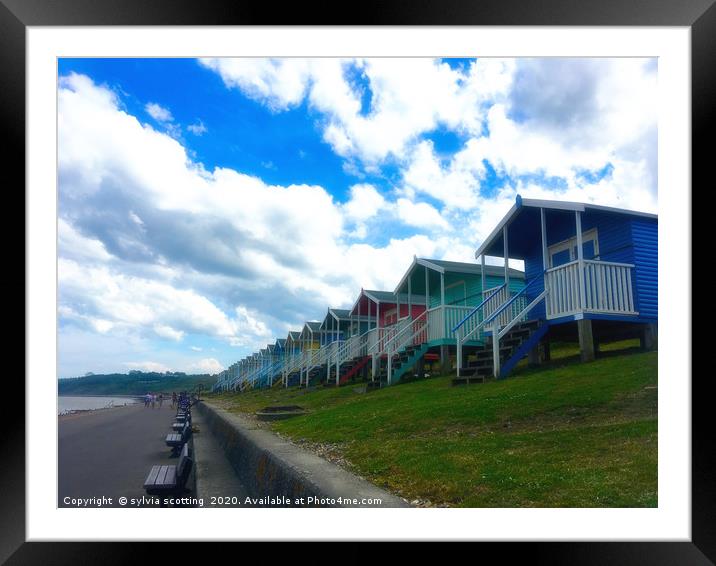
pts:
pixel 586 339
pixel 483 276
pixel 458 350
pixel 397 304
pixel 444 359
pixel 649 337
pixel 495 350
pixel 427 289
pixel 443 330
pixel 580 258
pixel 410 298
pixel 545 258
pixel 507 261
pixel 543 226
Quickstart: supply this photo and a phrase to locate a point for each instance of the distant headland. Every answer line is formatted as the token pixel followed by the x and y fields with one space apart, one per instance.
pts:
pixel 133 383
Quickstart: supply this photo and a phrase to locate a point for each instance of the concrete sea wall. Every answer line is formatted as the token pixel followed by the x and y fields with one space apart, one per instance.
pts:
pixel 273 468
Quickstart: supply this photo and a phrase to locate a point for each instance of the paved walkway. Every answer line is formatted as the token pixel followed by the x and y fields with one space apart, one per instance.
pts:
pixel 216 481
pixel 109 453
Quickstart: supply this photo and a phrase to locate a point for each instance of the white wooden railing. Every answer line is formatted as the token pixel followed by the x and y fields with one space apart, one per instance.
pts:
pixel 442 320
pixel 411 332
pixel 606 287
pixel 353 347
pixel 500 307
pixel 377 338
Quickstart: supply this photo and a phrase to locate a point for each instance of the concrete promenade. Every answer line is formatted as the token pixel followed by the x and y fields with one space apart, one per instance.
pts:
pixel 108 453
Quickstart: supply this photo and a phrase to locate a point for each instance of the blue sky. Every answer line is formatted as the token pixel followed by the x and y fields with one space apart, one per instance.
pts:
pixel 208 206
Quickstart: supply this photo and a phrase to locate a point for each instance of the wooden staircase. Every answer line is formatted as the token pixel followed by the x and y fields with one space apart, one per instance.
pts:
pixel 402 362
pixel 316 374
pixel 513 347
pixel 349 369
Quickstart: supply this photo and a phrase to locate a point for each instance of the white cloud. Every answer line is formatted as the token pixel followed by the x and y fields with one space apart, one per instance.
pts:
pixel 168 332
pixel 420 214
pixel 365 202
pixel 280 83
pixel 551 117
pixel 456 185
pixel 134 217
pixel 206 365
pixel 409 96
pixel 159 113
pixel 198 129
pixel 285 241
pixel 249 324
pixel 75 245
pixel 112 300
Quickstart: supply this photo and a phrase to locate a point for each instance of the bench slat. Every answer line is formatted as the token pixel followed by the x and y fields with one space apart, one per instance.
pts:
pixel 165 477
pixel 152 477
pixel 170 479
pixel 162 477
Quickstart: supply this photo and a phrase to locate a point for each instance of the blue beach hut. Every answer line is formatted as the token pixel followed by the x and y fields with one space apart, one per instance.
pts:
pixel 590 271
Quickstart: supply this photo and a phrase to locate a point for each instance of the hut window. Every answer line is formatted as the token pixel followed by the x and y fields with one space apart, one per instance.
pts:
pixel 566 251
pixel 391 316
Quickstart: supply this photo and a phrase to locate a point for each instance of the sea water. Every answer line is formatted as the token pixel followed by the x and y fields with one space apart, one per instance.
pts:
pixel 69 403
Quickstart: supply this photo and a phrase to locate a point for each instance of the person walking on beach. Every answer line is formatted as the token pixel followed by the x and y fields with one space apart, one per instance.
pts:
pixel 154 400
pixel 147 399
pixel 160 399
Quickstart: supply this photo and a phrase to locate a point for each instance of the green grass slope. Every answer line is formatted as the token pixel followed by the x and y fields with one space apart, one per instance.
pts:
pixel 565 435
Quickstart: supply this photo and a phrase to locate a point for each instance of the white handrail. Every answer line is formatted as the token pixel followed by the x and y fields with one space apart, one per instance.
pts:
pixel 351 347
pixel 461 339
pixel 498 334
pixel 407 326
pixel 393 346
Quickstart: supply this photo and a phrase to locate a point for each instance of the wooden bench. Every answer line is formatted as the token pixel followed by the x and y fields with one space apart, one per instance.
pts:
pixel 182 418
pixel 175 440
pixel 170 479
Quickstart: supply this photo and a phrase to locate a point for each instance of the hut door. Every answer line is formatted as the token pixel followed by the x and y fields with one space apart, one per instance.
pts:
pixel 456 293
pixel 566 251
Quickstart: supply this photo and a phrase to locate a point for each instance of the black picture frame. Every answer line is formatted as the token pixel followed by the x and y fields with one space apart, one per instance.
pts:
pixel 699 15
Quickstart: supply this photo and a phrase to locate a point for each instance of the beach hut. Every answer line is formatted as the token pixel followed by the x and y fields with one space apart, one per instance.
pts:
pixel 312 357
pixel 279 350
pixel 335 326
pixel 268 367
pixel 292 355
pixel 590 272
pixel 432 297
pixel 382 315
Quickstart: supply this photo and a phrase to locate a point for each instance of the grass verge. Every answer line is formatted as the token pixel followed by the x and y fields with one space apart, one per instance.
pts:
pixel 563 435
